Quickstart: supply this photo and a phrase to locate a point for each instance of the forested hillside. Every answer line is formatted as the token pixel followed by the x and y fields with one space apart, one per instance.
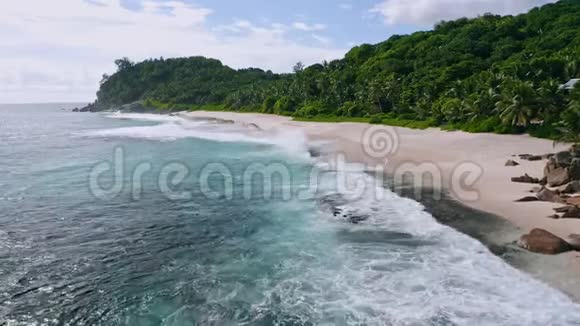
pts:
pixel 491 73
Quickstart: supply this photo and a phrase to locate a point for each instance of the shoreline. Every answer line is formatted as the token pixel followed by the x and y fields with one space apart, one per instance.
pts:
pixel 494 218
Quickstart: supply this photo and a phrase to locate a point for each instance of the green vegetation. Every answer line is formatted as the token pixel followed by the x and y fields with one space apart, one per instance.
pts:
pixel 488 74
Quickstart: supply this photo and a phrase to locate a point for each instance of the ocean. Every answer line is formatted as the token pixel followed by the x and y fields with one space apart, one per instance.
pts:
pixel 117 219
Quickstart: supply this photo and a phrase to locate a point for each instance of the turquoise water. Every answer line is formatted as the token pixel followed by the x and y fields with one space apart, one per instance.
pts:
pixel 71 257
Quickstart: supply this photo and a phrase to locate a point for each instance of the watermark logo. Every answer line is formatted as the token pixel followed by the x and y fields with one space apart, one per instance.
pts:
pixel 276 180
pixel 380 142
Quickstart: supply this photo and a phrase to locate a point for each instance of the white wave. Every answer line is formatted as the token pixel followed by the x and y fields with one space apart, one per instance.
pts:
pixel 434 275
pixel 172 128
pixel 144 117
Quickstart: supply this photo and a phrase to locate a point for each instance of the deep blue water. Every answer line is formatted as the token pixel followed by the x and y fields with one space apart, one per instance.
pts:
pixel 69 256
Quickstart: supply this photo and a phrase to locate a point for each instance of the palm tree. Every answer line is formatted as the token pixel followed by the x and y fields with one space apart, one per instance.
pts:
pixel 514 112
pixel 572 67
pixel 382 91
pixel 570 124
pixel 550 99
pixel 480 105
pixel 518 103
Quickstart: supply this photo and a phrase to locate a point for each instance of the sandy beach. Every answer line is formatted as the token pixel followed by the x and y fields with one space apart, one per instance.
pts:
pixel 451 152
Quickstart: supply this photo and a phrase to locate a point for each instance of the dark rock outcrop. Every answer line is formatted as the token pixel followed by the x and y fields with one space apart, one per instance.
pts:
pixel 558 177
pixel 563 209
pixel 544 181
pixel 562 168
pixel 575 150
pixel 574 201
pixel 570 188
pixel 535 189
pixel 526 179
pixel 548 195
pixel 574 241
pixel 91 107
pixel 563 159
pixel 574 169
pixel 573 212
pixel 569 211
pixel 527 199
pixel 548 156
pixel 550 166
pixel 511 163
pixel 529 157
pixel 543 242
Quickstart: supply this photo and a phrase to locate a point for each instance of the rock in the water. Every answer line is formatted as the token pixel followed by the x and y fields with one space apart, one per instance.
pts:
pixel 574 170
pixel 554 217
pixel 548 195
pixel 75 110
pixel 526 179
pixel 511 163
pixel 543 242
pixel 563 159
pixel 558 177
pixel 357 219
pixel 91 107
pixel 314 152
pixel 527 199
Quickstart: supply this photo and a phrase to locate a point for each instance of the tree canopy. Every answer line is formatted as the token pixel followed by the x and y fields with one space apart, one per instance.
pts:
pixel 489 73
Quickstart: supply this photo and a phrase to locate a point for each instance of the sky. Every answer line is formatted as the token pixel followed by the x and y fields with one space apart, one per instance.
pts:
pixel 58 50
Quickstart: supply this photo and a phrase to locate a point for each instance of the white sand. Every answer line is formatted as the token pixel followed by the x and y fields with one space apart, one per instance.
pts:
pixel 447 150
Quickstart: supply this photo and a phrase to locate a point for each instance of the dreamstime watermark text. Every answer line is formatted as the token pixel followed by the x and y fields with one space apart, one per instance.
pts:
pixel 280 181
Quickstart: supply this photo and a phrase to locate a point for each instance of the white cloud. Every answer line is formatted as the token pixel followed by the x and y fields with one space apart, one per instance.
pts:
pixel 308 28
pixel 322 39
pixel 57 51
pixel 429 12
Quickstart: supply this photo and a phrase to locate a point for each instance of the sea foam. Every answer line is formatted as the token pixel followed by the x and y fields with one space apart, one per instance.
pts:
pixel 170 128
pixel 400 266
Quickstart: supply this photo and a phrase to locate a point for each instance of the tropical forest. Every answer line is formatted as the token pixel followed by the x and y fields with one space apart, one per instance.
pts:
pixel 502 74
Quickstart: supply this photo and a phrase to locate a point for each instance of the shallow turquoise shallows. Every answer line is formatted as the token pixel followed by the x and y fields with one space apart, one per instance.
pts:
pixel 160 252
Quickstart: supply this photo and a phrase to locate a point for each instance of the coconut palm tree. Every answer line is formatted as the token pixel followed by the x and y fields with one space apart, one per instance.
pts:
pixel 480 105
pixel 570 124
pixel 518 103
pixel 551 99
